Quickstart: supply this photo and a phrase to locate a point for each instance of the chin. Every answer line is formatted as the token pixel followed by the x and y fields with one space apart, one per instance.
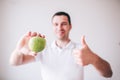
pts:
pixel 60 36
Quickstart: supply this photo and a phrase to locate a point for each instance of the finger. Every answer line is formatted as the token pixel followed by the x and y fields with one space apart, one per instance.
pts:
pixel 33 34
pixel 75 51
pixel 83 42
pixel 38 34
pixel 79 61
pixel 29 33
pixel 43 36
pixel 77 56
pixel 34 53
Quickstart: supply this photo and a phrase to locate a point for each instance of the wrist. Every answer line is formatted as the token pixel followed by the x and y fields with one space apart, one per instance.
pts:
pixel 95 59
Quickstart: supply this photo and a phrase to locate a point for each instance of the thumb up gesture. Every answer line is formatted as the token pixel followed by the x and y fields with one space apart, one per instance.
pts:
pixel 84 56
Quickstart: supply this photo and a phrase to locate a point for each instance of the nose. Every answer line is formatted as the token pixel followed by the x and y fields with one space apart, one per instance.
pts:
pixel 60 27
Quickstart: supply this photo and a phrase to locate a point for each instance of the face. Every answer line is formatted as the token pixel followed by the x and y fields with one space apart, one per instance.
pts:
pixel 61 27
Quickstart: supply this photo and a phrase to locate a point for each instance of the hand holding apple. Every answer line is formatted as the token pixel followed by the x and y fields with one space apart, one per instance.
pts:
pixel 23 43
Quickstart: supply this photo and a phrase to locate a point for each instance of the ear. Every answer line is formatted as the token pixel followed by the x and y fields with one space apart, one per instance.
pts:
pixel 70 26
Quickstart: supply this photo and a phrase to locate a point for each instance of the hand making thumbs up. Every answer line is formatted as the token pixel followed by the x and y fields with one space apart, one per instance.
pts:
pixel 84 56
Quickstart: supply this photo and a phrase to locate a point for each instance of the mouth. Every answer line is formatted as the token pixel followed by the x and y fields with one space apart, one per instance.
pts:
pixel 60 32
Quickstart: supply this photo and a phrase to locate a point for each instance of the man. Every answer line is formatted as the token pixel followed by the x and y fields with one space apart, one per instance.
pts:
pixel 63 59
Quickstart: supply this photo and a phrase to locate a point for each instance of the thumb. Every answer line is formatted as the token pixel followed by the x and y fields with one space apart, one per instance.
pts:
pixel 83 42
pixel 28 34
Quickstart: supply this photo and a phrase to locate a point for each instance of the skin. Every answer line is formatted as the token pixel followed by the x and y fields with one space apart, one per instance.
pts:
pixel 85 56
pixel 22 54
pixel 61 27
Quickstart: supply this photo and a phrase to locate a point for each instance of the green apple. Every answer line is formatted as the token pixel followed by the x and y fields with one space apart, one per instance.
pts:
pixel 36 44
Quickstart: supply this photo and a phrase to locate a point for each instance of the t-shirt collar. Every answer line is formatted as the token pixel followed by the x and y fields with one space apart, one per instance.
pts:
pixel 70 45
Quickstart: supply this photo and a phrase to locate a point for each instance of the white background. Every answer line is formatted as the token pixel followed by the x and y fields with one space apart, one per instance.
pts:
pixel 98 20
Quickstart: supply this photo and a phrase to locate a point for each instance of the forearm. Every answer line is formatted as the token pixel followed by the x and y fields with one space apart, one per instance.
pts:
pixel 16 58
pixel 102 66
pixel 19 58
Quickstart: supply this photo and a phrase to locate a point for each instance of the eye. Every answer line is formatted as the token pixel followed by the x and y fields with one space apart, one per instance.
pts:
pixel 55 24
pixel 64 23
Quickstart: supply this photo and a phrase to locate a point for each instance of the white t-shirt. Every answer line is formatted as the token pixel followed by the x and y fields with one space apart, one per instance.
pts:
pixel 59 64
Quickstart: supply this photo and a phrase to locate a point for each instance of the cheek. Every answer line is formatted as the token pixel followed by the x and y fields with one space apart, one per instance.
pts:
pixel 54 30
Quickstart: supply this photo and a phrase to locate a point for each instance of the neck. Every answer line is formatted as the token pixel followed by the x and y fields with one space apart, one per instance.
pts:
pixel 62 43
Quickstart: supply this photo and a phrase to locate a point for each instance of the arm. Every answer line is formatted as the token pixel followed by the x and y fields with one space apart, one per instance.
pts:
pixel 102 66
pixel 19 58
pixel 85 56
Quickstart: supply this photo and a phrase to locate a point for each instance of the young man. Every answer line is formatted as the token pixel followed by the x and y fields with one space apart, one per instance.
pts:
pixel 63 59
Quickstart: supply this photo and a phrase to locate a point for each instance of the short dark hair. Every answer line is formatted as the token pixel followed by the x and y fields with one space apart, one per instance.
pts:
pixel 62 13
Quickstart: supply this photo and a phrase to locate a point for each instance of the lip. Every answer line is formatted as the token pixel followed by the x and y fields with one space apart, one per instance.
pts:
pixel 60 32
